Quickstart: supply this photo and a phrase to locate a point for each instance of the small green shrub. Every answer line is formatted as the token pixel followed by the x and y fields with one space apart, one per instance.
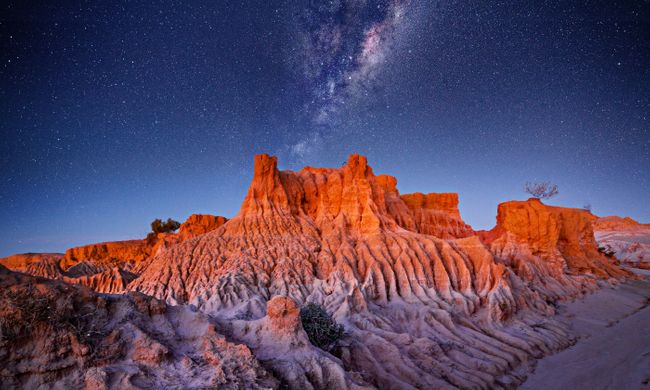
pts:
pixel 320 327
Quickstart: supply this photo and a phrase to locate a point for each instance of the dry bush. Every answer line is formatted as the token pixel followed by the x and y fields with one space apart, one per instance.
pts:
pixel 541 190
pixel 320 327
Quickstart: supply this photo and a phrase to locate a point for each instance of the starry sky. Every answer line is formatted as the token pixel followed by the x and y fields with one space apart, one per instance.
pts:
pixel 116 113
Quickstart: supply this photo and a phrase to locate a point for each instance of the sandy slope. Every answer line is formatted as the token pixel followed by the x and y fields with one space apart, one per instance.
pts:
pixel 614 347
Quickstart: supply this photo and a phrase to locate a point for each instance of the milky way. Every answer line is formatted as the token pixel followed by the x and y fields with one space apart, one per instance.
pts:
pixel 342 47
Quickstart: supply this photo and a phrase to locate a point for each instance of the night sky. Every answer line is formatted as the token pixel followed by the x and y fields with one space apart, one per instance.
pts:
pixel 115 113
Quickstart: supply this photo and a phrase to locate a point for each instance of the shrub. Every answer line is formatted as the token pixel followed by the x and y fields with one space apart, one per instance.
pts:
pixel 542 190
pixel 158 226
pixel 320 327
pixel 171 225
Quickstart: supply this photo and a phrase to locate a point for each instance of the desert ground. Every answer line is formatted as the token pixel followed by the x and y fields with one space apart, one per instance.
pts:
pixel 613 349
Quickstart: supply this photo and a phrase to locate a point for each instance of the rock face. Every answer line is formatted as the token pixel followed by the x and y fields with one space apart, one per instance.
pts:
pixel 432 214
pixel 25 261
pixel 425 302
pixel 117 253
pixel 552 247
pixel 53 335
pixel 129 254
pixel 626 238
pixel 108 267
pixel 103 267
pixel 436 215
pixel 562 236
pixel 198 224
pixel 446 202
pixel 282 345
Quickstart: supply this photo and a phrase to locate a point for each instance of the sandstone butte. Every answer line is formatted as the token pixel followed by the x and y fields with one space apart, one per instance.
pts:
pixel 426 301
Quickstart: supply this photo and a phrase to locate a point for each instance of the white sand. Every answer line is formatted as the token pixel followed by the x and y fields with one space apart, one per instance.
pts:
pixel 613 351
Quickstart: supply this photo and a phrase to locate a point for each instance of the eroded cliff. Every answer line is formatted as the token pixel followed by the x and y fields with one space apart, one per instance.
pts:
pixel 108 267
pixel 426 301
pixel 421 310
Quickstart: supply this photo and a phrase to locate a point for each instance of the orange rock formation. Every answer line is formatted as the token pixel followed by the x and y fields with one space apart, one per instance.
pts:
pixel 426 302
pixel 23 262
pixel 123 253
pixel 563 237
pixel 198 224
pixel 108 266
pixel 614 223
pixel 421 310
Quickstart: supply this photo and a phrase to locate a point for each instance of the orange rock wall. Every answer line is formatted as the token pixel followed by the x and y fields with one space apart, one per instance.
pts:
pixel 563 236
pixel 198 224
pixel 446 202
pixel 21 262
pixel 108 253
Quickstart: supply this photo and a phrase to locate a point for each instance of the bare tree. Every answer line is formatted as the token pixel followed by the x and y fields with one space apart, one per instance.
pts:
pixel 541 190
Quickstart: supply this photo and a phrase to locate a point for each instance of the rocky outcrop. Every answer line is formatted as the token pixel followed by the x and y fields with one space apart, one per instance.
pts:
pixel 129 254
pixel 551 247
pixel 614 223
pixel 110 281
pixel 22 262
pixel 124 254
pixel 426 302
pixel 437 215
pixel 53 335
pixel 434 214
pixel 195 225
pixel 108 267
pixel 445 202
pixel 420 310
pixel 198 224
pixel 624 238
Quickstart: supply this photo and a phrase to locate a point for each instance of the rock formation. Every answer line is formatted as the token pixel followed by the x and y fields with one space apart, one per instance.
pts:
pixel 198 224
pixel 53 335
pixel 420 310
pixel 625 238
pixel 552 247
pixel 107 267
pixel 23 262
pixel 109 254
pixel 426 301
pixel 281 344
